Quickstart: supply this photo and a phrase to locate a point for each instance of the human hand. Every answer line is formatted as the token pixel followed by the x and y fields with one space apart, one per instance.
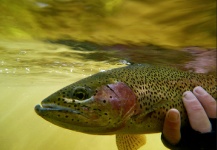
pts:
pixel 200 106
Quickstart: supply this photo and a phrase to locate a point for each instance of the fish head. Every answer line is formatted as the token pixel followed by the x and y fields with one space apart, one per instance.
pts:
pixel 90 106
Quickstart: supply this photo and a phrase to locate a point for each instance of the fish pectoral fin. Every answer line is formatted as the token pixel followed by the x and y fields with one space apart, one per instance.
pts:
pixel 130 141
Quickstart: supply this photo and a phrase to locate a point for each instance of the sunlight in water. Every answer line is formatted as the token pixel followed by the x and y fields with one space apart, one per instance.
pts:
pixel 21 89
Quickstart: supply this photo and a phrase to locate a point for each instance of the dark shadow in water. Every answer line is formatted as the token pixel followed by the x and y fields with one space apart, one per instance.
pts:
pixel 146 53
pixel 76 45
pixel 195 59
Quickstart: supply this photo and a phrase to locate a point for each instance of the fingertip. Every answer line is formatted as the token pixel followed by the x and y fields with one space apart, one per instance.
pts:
pixel 172 124
pixel 199 91
pixel 173 115
pixel 207 101
pixel 195 106
pixel 188 95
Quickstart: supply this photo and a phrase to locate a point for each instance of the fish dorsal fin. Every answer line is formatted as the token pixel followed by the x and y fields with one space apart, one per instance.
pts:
pixel 130 141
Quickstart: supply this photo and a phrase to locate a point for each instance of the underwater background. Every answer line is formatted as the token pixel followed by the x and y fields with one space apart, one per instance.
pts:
pixel 48 44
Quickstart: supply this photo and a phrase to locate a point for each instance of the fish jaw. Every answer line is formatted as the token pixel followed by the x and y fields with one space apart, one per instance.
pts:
pixel 80 119
pixel 65 117
pixel 104 112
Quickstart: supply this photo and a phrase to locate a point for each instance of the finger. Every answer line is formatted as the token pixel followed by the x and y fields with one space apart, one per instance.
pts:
pixel 207 101
pixel 197 116
pixel 171 129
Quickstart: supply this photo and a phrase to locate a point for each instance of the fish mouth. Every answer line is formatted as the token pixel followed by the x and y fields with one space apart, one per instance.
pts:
pixel 41 109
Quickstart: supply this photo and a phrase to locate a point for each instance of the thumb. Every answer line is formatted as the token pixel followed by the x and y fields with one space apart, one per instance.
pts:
pixel 172 124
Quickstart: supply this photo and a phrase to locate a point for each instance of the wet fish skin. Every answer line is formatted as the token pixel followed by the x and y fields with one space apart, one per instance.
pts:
pixel 127 100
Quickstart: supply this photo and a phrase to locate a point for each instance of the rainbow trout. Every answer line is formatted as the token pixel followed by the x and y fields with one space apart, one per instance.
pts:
pixel 127 101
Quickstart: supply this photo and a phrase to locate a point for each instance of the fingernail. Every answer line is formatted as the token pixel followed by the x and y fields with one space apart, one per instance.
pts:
pixel 188 95
pixel 173 116
pixel 199 90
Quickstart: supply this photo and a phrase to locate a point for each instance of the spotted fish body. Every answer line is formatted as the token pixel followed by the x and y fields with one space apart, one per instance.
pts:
pixel 125 101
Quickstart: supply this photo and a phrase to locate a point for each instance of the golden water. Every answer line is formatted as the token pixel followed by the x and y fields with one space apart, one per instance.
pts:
pixel 30 71
pixel 35 60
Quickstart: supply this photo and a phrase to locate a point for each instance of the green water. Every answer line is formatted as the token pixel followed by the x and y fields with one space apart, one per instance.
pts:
pixel 173 23
pixel 47 45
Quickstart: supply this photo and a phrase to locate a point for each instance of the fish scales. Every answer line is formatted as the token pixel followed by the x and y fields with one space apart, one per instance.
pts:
pixel 161 86
pixel 127 100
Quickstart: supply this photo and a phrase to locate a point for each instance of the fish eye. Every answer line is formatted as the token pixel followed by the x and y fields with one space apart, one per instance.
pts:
pixel 80 94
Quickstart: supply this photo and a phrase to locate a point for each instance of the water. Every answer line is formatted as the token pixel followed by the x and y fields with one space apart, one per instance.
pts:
pixel 47 45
